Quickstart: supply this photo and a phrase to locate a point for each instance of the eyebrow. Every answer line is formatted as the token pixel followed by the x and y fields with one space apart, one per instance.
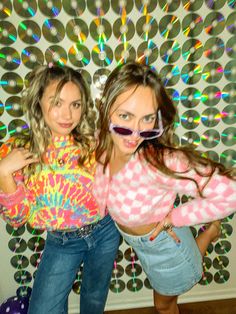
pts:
pixel 131 114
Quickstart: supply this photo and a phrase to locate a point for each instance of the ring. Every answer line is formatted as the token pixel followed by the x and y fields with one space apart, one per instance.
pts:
pixel 167 226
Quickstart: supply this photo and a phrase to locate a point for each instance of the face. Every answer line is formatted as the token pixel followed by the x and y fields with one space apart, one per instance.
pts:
pixel 64 116
pixel 136 110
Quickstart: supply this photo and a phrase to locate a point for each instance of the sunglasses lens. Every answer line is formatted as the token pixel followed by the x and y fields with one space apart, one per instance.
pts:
pixel 149 134
pixel 122 131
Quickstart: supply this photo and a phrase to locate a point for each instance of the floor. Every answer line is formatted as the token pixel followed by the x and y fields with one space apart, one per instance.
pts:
pixel 210 307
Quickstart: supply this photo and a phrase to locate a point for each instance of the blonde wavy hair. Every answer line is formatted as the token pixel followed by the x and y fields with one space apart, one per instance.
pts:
pixel 40 135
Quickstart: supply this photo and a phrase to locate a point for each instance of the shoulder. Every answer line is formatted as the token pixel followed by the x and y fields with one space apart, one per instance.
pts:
pixel 176 161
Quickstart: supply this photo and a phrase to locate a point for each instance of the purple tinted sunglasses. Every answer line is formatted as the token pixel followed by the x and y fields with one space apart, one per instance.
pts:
pixel 146 134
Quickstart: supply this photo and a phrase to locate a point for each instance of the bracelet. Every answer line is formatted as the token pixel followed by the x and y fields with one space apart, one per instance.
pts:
pixel 167 226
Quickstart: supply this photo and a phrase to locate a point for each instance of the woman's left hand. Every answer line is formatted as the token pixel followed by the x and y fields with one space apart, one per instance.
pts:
pixel 165 225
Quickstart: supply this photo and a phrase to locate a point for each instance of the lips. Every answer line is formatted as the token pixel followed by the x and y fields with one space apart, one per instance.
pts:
pixel 65 125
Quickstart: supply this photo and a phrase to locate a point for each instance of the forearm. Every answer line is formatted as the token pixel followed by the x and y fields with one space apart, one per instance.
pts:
pixel 7 183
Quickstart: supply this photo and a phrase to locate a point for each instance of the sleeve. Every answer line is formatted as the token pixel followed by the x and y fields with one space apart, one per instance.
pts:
pixel 14 207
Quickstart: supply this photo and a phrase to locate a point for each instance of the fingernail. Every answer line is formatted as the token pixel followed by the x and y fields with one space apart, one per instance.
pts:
pixel 151 238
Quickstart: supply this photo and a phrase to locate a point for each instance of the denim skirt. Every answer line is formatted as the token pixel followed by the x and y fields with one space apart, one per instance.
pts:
pixel 172 268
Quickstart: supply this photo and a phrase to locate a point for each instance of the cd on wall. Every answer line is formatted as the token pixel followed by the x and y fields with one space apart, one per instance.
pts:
pixel 25 8
pixel 192 49
pixel 230 23
pixel 134 284
pixel 230 71
pixel 122 7
pixel 77 30
pixel 215 5
pixel 36 244
pixel 221 276
pixel 169 6
pixel 214 23
pixel 190 119
pixel 53 30
pixel 124 52
pixel 12 82
pixel 74 8
pixel 214 48
pixel 32 56
pixel 133 270
pixel 56 54
pixel 211 117
pixel 17 245
pixel 98 8
pixel 146 27
pixel 9 58
pixel 170 75
pixel 222 247
pixel 169 26
pixel 192 5
pixel 117 285
pixel 190 97
pixel 174 95
pixel 228 136
pixel 102 55
pixel 147 52
pixel 229 114
pixel 86 75
pixel 99 78
pixel 229 93
pixel 118 271
pixel 228 158
pixel 29 32
pixel 8 33
pixel 5 9
pixel 3 130
pixel 79 55
pixel 190 138
pixel 191 73
pixel 145 6
pixel 50 8
pixel 211 154
pixel 13 106
pixel 17 127
pixel 100 30
pixel 211 95
pixel 210 138
pixel 192 25
pixel 170 51
pixel 19 261
pixel 1 108
pixel 206 279
pixel 35 259
pixel 15 232
pixel 23 277
pixel 212 72
pixel 123 29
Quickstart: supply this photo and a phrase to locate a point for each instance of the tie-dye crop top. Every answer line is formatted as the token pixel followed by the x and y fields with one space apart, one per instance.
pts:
pixel 56 197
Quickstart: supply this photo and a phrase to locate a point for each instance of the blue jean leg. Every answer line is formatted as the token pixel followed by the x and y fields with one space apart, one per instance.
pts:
pixel 63 254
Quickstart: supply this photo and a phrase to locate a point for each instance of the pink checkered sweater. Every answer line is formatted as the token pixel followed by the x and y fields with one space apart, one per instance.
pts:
pixel 139 194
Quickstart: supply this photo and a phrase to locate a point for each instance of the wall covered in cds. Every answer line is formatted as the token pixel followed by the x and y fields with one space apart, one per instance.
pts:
pixel 192 45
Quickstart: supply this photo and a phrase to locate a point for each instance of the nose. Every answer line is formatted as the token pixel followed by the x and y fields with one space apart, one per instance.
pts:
pixel 66 113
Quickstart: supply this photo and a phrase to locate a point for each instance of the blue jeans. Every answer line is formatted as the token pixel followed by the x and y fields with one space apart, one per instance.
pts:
pixel 63 254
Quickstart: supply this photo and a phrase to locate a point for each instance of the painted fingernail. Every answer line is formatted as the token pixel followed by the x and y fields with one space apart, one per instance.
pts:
pixel 151 238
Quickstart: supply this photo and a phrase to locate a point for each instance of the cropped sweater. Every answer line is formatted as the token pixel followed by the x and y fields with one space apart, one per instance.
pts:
pixel 139 194
pixel 56 197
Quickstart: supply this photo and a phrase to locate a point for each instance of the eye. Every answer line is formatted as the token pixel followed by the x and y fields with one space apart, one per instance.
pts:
pixel 149 119
pixel 76 105
pixel 124 116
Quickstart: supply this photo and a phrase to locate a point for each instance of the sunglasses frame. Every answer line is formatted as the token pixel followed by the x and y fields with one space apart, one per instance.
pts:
pixel 160 130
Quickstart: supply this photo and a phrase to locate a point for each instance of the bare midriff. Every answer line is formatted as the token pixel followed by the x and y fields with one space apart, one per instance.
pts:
pixel 139 230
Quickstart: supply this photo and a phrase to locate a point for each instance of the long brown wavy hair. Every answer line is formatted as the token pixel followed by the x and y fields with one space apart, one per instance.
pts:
pixel 133 74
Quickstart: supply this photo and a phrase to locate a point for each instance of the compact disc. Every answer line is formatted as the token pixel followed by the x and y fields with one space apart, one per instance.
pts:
pixel 147 284
pixel 76 287
pixel 53 30
pixel 130 255
pixel 214 48
pixel 102 55
pixel 5 9
pixel 134 284
pixel 190 119
pixel 229 114
pixel 24 291
pixel 228 218
pixel 29 32
pixel 3 130
pixel 211 154
pixel 146 27
pixel 1 107
pixel 117 285
pixel 146 6
pixel 13 106
pixel 215 4
pixel 124 52
pixel 169 5
pixel 206 263
pixel 211 117
pixel 23 277
pixel 17 245
pixel 86 75
pixel 226 230
pixel 228 136
pixel 170 75
pixel 192 49
pixel 147 52
pixel 98 7
pixel 12 82
pixel 229 93
pixel 221 276
pixel 212 72
pixel 228 158
pixel 190 97
pixel 170 51
pixel 230 23
pixel 210 138
pixel 35 259
pixel 50 8
pixel 190 139
pixel 222 247
pixel 56 54
pixel 206 279
pixel 77 30
pixel 122 7
pixel 18 126
pixel 99 78
pixel 123 29
pixel 209 249
pixel 119 256
pixel 9 58
pixel 214 23
pixel 230 71
pixel 32 56
pixel 211 95
pixel 79 55
pixel 118 271
pixel 231 4
pixel 19 261
pixel 25 8
pixel 174 95
pixel 36 244
pixel 133 270
pixel 100 30
pixel 192 25
pixel 74 7
pixel 192 5
pixel 8 33
pixel 191 73
pixel 13 231
pixel 169 26
pixel 34 231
